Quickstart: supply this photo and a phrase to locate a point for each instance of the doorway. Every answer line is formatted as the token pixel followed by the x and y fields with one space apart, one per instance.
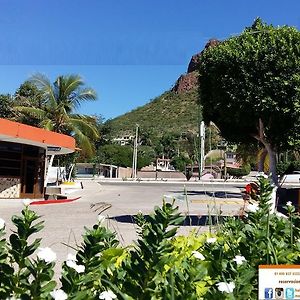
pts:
pixel 32 178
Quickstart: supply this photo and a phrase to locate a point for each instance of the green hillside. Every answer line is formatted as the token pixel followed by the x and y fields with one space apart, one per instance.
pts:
pixel 170 112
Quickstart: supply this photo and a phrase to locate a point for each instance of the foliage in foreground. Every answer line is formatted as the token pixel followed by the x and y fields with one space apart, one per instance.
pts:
pixel 160 265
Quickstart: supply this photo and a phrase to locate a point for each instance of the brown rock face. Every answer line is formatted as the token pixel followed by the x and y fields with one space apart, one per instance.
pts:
pixel 186 82
pixel 190 80
pixel 196 58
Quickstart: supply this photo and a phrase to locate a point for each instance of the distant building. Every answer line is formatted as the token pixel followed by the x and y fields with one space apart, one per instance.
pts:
pixel 90 170
pixel 86 170
pixel 164 164
pixel 123 140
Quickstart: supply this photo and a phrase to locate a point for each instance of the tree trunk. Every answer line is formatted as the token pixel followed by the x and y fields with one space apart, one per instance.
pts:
pixel 262 159
pixel 272 155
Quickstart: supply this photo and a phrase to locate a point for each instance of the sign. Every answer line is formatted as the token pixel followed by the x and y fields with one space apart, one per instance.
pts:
pixel 279 282
pixel 54 149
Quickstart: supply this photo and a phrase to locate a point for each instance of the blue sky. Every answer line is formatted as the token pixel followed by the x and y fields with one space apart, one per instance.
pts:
pixel 129 51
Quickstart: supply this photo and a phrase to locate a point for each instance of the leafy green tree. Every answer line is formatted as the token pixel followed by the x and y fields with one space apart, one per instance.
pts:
pixel 122 155
pixel 6 103
pixel 146 156
pixel 57 109
pixel 167 146
pixel 146 137
pixel 250 87
pixel 104 130
pixel 115 154
pixel 27 95
pixel 247 154
pixel 180 162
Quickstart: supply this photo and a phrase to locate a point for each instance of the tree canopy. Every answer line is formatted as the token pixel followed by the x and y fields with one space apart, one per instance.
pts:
pixel 54 106
pixel 250 86
pixel 6 103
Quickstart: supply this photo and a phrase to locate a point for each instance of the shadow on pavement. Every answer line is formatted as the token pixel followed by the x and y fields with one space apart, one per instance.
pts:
pixel 217 194
pixel 192 220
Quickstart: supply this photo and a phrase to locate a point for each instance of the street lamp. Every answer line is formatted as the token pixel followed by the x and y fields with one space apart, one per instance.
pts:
pixel 135 152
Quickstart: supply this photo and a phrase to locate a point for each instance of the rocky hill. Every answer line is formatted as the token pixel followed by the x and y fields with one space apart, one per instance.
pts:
pixel 174 111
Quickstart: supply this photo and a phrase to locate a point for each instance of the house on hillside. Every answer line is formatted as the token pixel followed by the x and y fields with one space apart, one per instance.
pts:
pixel 23 157
pixel 123 140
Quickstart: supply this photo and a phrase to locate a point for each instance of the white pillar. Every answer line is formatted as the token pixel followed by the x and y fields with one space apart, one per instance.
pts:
pixel 48 166
pixel 202 146
pixel 135 152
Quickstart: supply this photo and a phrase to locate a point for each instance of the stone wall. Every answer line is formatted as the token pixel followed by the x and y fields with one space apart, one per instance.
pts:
pixel 10 187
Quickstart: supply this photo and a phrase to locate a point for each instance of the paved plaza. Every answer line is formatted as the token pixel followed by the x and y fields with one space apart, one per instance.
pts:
pixel 64 223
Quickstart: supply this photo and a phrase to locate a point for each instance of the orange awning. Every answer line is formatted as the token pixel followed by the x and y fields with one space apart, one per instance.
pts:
pixel 54 143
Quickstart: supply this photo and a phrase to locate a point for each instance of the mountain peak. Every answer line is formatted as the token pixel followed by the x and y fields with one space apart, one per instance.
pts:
pixel 189 81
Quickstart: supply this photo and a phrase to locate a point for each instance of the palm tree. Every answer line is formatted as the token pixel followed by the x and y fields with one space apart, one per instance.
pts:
pixel 57 112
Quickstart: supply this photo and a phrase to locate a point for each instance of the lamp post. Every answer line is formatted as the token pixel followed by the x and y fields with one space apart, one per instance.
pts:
pixel 135 152
pixel 202 142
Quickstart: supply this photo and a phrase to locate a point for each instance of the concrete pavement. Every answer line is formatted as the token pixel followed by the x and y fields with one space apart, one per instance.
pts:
pixel 64 223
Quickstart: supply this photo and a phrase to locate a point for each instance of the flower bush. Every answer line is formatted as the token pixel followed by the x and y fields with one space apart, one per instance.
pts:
pixel 159 265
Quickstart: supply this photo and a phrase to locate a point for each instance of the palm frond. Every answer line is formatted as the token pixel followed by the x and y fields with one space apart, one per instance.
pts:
pixel 85 124
pixel 84 142
pixel 47 124
pixel 71 84
pixel 44 85
pixel 33 112
pixel 86 94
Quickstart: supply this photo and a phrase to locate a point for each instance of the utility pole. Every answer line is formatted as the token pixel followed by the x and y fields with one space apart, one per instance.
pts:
pixel 202 146
pixel 135 152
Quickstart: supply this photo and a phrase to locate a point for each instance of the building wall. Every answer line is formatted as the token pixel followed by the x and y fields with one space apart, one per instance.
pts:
pixel 124 172
pixel 10 187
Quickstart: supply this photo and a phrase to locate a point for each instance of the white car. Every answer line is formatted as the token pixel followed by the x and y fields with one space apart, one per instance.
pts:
pixel 291 178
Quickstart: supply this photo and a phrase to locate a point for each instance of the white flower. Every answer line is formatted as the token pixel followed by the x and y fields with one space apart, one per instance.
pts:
pixel 239 259
pixel 46 254
pixel 26 202
pixel 101 219
pixel 107 295
pixel 252 207
pixel 211 240
pixel 71 264
pixel 289 203
pixel 198 255
pixel 71 257
pixel 226 287
pixel 59 295
pixel 2 223
pixel 78 268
